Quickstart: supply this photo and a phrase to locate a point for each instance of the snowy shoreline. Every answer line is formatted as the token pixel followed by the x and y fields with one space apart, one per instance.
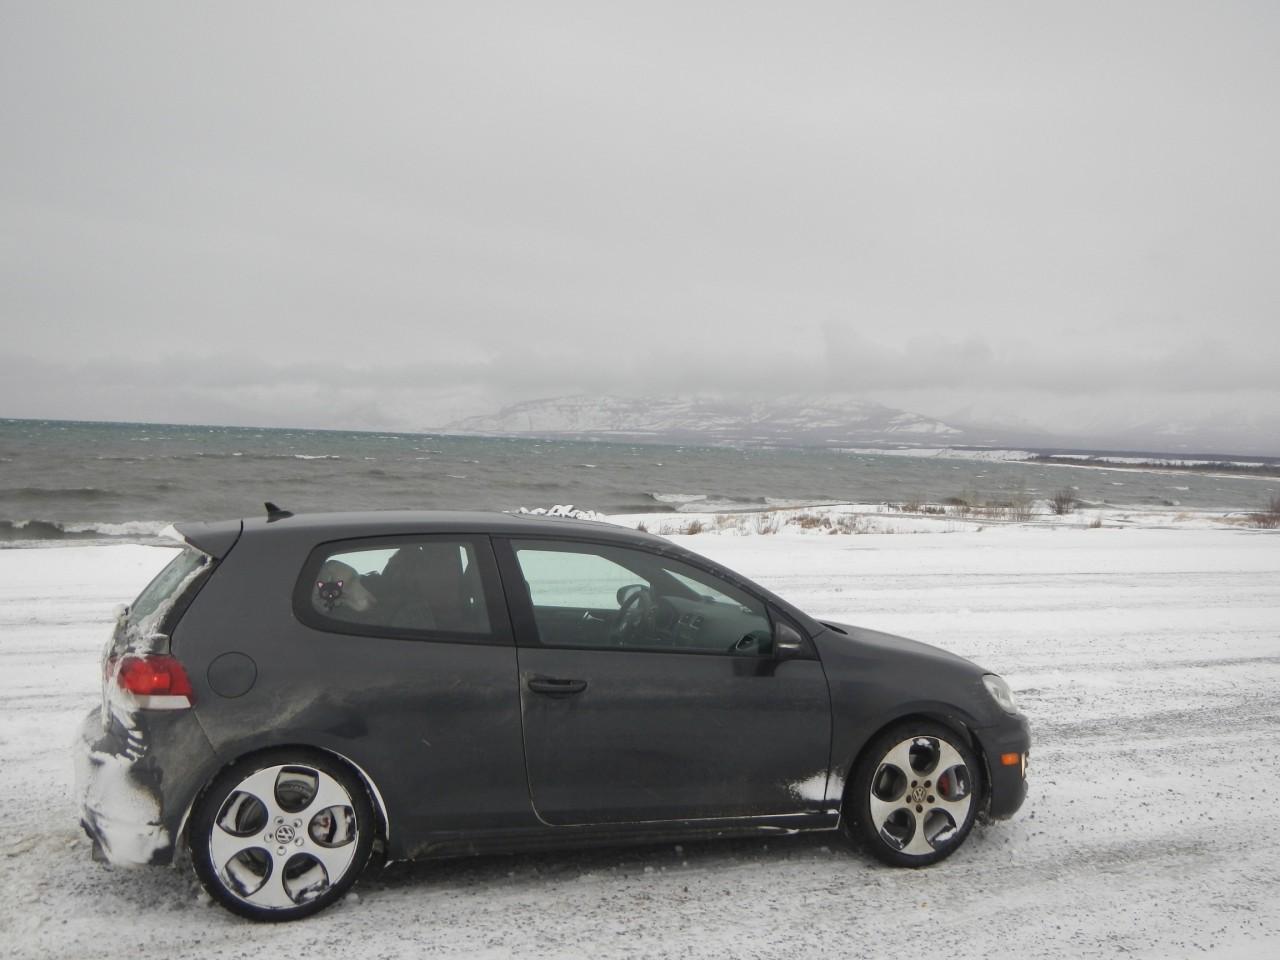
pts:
pixel 685 513
pixel 1218 469
pixel 1146 659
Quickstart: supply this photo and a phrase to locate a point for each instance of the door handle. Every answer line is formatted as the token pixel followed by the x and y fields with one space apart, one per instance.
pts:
pixel 556 687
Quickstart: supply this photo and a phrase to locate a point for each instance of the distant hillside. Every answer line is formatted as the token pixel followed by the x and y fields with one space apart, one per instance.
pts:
pixel 805 420
pixel 839 419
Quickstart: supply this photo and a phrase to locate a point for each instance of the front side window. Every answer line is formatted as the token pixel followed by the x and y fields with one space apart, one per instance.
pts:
pixel 593 595
pixel 400 586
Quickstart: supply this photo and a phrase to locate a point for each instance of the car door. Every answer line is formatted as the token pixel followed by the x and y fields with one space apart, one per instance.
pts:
pixel 405 663
pixel 650 691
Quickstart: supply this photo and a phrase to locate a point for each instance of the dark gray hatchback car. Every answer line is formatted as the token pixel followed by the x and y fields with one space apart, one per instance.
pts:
pixel 294 696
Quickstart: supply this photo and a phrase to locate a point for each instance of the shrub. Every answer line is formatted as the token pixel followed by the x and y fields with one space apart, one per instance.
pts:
pixel 848 523
pixel 1268 518
pixel 1022 511
pixel 694 527
pixel 1063 502
pixel 1020 506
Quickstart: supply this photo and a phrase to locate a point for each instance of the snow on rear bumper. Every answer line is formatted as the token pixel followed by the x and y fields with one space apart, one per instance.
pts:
pixel 120 805
pixel 136 780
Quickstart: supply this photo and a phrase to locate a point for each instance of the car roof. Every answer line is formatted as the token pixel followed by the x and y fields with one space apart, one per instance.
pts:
pixel 217 537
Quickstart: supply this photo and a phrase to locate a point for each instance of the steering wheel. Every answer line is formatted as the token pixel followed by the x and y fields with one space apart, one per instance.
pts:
pixel 636 617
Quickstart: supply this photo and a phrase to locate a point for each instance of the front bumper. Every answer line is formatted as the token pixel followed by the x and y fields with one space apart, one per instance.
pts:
pixel 1008 782
pixel 131 805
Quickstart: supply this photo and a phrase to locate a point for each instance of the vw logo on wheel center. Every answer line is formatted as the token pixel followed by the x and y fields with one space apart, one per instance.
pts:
pixel 284 833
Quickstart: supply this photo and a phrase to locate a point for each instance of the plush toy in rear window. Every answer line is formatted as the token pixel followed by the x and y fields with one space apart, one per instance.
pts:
pixel 339 590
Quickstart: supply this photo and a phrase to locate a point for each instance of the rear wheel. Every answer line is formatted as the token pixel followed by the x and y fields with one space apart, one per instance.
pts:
pixel 281 835
pixel 915 794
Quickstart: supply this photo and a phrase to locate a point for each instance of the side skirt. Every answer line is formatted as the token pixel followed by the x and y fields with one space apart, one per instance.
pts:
pixel 443 845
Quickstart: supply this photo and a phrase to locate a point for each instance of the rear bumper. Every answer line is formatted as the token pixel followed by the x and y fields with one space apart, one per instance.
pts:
pixel 120 805
pixel 1008 782
pixel 132 803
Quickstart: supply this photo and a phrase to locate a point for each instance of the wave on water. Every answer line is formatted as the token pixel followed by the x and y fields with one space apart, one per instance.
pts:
pixel 715 502
pixel 217 455
pixel 678 498
pixel 14 532
pixel 45 494
pixel 241 455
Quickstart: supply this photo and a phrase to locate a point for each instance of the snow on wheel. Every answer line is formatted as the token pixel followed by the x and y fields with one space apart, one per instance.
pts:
pixel 282 835
pixel 915 794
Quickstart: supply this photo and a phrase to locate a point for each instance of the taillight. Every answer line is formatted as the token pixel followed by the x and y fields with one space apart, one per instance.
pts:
pixel 154 682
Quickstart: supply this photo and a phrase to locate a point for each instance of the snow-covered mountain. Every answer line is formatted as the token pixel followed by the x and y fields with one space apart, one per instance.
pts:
pixel 841 419
pixel 796 419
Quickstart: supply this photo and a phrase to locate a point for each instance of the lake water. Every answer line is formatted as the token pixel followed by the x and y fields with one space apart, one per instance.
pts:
pixel 83 480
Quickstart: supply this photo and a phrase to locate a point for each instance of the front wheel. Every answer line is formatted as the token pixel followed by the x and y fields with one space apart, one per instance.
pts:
pixel 915 794
pixel 281 835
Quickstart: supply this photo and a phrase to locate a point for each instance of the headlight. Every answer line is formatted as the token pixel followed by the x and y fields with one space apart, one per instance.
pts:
pixel 1000 692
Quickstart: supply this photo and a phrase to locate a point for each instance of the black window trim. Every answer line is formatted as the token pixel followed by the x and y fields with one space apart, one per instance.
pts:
pixel 500 627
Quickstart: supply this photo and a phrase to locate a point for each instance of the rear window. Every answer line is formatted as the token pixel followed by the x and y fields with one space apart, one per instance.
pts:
pixel 150 612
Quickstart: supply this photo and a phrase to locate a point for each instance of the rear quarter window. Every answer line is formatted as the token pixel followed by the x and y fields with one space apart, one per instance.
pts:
pixel 427 587
pixel 150 609
pixel 163 600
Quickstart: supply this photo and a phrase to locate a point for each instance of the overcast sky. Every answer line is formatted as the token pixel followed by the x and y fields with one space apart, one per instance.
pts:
pixel 389 215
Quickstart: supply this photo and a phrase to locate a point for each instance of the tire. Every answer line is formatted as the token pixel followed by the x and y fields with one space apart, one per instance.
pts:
pixel 281 835
pixel 915 794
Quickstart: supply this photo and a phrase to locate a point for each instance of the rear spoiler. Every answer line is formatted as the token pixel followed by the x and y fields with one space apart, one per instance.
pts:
pixel 215 538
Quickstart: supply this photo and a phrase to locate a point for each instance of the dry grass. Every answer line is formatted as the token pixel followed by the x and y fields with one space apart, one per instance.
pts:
pixel 771 522
pixel 767 523
pixel 831 523
pixel 809 521
pixel 1016 504
pixel 916 505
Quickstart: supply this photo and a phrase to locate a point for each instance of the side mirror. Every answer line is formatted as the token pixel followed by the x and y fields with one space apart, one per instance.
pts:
pixel 788 644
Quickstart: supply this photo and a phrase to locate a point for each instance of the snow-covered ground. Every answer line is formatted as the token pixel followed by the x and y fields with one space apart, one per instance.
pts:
pixel 1147 659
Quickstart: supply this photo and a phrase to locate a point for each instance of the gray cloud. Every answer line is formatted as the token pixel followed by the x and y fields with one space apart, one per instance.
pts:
pixel 424 210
